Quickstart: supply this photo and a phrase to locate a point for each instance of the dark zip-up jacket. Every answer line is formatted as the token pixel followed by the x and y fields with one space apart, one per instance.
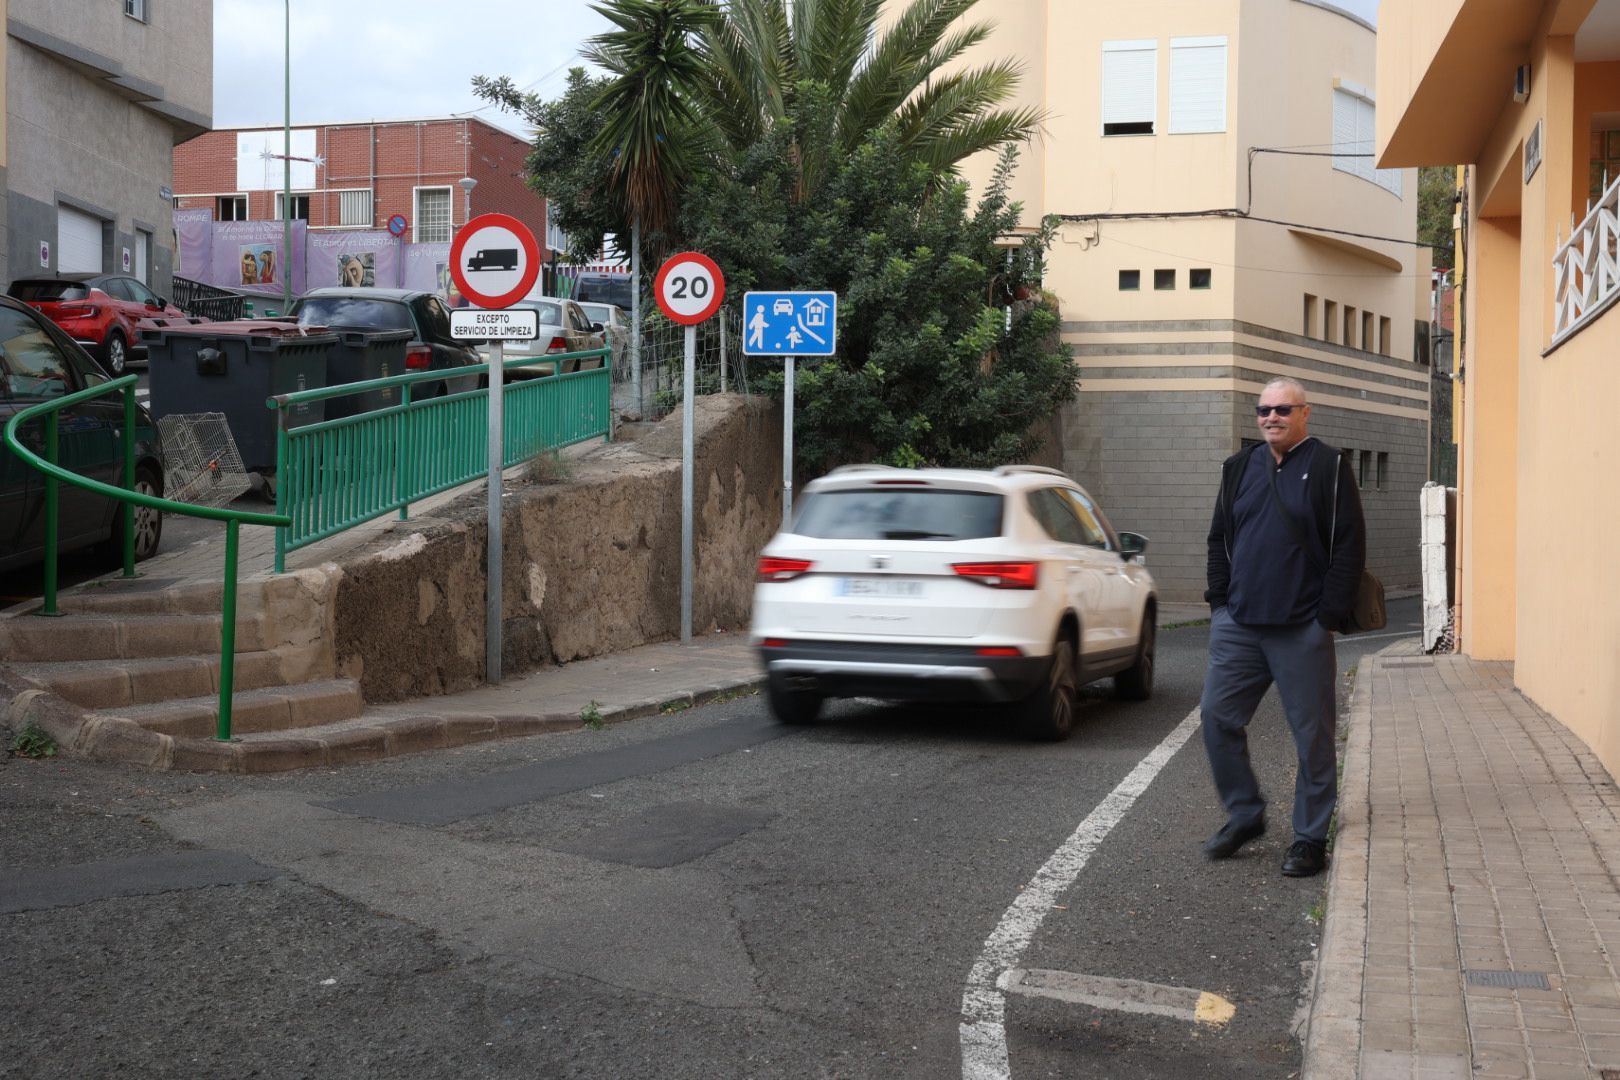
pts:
pixel 1340 530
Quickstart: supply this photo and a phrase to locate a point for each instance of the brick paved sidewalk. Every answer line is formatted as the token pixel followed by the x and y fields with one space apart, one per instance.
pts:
pixel 1473 911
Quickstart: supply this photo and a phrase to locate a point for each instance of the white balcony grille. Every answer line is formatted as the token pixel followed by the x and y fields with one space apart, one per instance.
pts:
pixel 1586 269
pixel 354 207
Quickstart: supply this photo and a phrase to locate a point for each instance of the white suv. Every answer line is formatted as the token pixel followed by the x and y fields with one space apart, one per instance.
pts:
pixel 952 585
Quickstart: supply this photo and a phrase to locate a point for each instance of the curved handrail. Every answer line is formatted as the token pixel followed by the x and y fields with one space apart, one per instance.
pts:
pixel 216 513
pixel 130 498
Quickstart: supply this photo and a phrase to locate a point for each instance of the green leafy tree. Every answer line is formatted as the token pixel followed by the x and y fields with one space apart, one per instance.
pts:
pixel 1437 188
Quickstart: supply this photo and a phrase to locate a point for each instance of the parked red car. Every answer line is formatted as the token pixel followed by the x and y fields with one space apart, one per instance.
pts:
pixel 99 311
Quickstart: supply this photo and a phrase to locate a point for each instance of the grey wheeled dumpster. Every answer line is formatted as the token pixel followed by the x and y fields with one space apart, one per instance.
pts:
pixel 232 368
pixel 360 356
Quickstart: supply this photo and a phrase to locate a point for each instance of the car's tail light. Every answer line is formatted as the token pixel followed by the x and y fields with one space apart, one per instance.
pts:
pixel 418 358
pixel 773 569
pixel 1000 575
pixel 999 651
pixel 774 643
pixel 558 345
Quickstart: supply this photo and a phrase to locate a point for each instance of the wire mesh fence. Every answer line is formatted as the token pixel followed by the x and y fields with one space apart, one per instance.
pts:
pixel 652 388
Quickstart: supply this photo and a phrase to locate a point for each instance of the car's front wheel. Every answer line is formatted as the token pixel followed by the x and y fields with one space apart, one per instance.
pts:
pixel 115 352
pixel 791 706
pixel 1048 713
pixel 148 521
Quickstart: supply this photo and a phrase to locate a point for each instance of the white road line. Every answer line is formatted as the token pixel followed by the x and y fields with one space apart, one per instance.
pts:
pixel 984 1006
pixel 1122 995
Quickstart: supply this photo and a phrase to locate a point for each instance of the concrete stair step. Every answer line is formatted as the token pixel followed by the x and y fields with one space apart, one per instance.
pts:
pixel 104 684
pixel 278 708
pixel 158 596
pixel 32 639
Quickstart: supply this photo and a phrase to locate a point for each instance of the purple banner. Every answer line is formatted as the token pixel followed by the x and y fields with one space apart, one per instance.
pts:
pixel 427 267
pixel 363 258
pixel 194 231
pixel 248 255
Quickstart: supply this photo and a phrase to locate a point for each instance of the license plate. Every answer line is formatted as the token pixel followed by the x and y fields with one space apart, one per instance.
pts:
pixel 860 586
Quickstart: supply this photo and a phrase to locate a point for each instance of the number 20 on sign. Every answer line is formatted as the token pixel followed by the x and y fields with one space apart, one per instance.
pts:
pixel 689 288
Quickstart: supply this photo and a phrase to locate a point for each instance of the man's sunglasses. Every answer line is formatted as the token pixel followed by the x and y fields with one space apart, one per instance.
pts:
pixel 1280 410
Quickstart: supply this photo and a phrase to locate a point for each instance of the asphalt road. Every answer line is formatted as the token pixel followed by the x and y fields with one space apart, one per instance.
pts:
pixel 697 895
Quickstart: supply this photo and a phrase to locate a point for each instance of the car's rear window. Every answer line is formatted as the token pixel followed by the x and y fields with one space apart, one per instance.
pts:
pixel 899 514
pixel 44 292
pixel 353 311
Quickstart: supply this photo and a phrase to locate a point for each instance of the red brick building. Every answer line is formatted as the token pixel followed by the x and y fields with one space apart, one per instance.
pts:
pixel 357 176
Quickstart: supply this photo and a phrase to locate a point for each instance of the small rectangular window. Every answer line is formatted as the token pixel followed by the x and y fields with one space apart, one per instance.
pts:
pixel 1308 323
pixel 1330 320
pixel 1367 339
pixel 1349 326
pixel 1164 279
pixel 1130 280
pixel 300 207
pixel 1364 474
pixel 135 9
pixel 1384 342
pixel 433 212
pixel 1130 99
pixel 231 208
pixel 354 207
pixel 1383 470
pixel 1198 278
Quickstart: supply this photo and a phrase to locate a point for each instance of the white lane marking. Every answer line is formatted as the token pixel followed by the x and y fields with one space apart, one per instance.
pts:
pixel 1121 995
pixel 984 1006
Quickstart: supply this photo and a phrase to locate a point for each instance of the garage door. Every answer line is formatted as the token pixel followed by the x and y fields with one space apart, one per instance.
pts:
pixel 78 242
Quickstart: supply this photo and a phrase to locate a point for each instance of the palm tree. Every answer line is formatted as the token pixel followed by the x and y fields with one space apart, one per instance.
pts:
pixel 761 57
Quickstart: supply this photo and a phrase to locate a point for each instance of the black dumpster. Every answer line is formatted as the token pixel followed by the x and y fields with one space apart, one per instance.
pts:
pixel 231 368
pixel 360 356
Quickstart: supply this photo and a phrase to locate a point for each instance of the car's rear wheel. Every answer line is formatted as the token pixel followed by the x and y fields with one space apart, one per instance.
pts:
pixel 1136 681
pixel 791 706
pixel 115 351
pixel 1048 713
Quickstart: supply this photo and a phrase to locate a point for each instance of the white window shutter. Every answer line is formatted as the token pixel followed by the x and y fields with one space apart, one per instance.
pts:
pixel 1197 85
pixel 1345 109
pixel 1130 82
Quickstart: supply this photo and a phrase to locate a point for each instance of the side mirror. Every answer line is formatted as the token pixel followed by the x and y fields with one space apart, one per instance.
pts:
pixel 1132 545
pixel 596 328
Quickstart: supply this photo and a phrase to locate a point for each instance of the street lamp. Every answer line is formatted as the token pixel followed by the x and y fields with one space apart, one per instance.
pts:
pixel 286 162
pixel 466 184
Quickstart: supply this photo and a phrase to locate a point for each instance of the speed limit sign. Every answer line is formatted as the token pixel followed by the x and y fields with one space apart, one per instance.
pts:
pixel 689 288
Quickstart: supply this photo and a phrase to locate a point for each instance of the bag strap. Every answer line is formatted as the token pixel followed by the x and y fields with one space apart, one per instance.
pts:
pixel 1293 522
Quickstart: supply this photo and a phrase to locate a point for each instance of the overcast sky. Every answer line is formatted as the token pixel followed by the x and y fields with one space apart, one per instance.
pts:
pixel 388 59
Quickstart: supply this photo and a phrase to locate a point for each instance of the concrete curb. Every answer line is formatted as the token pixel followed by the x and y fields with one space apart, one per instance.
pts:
pixel 1333 1029
pixel 81 733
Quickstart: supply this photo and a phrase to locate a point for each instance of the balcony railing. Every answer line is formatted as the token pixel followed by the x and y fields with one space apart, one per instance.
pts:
pixel 1586 269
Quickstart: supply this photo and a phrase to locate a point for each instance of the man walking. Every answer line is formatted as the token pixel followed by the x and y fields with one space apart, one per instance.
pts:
pixel 1286 550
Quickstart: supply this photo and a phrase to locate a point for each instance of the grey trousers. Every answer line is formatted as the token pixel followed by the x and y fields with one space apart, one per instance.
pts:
pixel 1243 663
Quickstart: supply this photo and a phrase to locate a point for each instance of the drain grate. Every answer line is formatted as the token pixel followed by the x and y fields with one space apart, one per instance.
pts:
pixel 1519 980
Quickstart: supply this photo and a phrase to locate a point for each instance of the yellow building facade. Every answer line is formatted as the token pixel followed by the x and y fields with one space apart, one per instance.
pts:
pixel 1222 224
pixel 1526 95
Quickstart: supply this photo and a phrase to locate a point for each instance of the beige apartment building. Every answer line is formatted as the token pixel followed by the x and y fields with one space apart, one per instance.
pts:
pixel 1526 96
pixel 1223 224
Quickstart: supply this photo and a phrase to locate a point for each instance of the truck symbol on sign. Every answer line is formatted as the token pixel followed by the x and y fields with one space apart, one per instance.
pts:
pixel 494 259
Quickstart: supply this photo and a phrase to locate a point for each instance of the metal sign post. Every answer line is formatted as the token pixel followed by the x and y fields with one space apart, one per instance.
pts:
pixel 788 325
pixel 787 441
pixel 689 288
pixel 689 389
pixel 493 636
pixel 494 261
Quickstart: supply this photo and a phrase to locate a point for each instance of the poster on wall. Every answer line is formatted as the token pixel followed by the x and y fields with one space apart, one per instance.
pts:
pixel 361 258
pixel 258 264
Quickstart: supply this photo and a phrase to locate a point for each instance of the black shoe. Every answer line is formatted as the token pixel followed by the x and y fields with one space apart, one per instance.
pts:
pixel 1304 859
pixel 1225 844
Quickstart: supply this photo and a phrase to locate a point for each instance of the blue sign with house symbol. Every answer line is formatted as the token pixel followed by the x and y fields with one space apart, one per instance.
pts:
pixel 790 323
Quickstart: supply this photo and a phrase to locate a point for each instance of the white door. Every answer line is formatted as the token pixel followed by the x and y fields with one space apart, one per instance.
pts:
pixel 78 242
pixel 141 241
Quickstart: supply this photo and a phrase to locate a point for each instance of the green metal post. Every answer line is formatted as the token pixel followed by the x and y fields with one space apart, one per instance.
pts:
pixel 286 163
pixel 128 509
pixel 284 473
pixel 51 502
pixel 402 473
pixel 227 633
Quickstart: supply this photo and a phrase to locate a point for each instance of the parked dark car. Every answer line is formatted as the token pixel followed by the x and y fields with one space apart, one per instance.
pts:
pixel 431 347
pixel 38 362
pixel 99 311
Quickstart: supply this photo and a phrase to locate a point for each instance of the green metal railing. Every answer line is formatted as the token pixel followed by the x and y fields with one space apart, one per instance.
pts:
pixel 55 476
pixel 336 474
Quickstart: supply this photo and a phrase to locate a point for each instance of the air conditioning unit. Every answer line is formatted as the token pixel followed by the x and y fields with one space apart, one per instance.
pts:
pixel 1521 83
